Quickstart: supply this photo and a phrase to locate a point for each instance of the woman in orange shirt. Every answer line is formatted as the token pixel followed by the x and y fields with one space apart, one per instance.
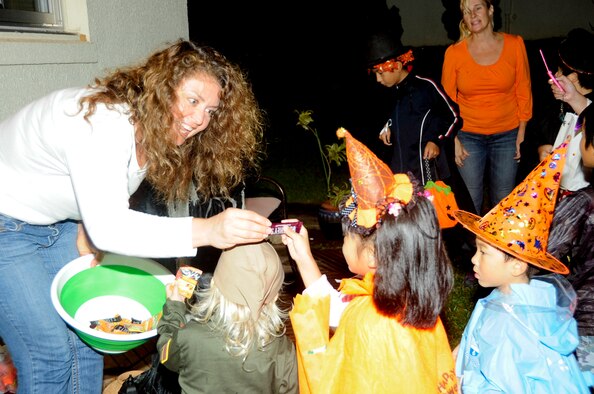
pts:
pixel 487 74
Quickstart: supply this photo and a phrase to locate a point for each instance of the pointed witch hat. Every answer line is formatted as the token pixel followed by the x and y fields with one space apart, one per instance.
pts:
pixel 519 224
pixel 372 182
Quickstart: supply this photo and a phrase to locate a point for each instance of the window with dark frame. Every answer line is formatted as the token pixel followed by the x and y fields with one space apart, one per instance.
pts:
pixel 42 16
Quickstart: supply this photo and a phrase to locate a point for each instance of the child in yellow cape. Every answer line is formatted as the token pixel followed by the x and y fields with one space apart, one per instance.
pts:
pixel 389 337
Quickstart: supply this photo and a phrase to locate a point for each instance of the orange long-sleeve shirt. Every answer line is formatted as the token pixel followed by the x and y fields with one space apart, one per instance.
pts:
pixel 493 98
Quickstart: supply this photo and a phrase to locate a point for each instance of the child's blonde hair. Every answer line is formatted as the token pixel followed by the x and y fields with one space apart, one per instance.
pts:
pixel 234 321
pixel 241 300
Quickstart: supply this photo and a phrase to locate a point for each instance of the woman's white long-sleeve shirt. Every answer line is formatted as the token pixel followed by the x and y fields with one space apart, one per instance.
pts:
pixel 54 166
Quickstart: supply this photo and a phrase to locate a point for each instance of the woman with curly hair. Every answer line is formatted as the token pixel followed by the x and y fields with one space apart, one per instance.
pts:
pixel 186 120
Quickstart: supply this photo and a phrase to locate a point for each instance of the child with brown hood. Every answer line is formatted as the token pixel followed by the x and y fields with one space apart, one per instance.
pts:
pixel 231 336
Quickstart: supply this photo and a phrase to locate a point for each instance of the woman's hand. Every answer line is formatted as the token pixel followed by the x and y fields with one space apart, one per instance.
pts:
pixel 461 153
pixel 85 246
pixel 519 140
pixel 231 227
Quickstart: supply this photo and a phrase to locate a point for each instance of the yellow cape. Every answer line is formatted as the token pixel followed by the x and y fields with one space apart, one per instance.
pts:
pixel 369 353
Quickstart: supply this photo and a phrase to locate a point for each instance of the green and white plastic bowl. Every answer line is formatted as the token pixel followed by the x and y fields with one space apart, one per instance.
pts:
pixel 132 287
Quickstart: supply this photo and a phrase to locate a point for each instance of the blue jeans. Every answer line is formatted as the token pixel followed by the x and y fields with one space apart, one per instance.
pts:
pixel 49 357
pixel 498 151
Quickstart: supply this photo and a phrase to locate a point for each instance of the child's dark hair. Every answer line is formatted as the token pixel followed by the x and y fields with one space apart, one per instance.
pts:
pixel 586 80
pixel 414 276
pixel 586 119
pixel 575 56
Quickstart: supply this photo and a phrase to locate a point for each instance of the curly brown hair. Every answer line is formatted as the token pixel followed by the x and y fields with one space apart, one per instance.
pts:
pixel 216 160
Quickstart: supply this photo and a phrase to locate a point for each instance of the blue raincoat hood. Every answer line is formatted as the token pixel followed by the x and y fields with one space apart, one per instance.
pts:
pixel 546 313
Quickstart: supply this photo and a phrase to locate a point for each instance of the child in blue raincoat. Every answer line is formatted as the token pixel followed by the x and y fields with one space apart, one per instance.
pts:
pixel 521 338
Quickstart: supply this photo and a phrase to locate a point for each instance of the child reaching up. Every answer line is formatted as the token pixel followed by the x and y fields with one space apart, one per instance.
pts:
pixel 522 336
pixel 389 337
pixel 234 337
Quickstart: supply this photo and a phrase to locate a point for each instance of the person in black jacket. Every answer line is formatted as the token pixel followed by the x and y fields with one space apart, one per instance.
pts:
pixel 423 114
pixel 421 130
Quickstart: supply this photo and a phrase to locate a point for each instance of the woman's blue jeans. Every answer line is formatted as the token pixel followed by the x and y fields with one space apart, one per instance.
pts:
pixel 497 151
pixel 49 357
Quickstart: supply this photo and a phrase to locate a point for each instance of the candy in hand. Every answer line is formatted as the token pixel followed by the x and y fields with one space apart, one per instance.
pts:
pixel 279 228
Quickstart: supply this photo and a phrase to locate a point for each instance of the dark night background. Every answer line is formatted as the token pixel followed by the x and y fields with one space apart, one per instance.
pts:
pixel 311 55
pixel 302 55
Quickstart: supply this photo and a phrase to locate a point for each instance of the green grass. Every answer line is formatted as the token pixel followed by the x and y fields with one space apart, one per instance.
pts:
pixel 304 184
pixel 300 187
pixel 459 307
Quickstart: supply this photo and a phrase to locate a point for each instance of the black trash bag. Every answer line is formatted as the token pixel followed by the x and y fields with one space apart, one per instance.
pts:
pixel 156 380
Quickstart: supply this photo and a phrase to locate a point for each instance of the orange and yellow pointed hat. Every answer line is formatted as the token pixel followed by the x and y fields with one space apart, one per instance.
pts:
pixel 372 182
pixel 519 224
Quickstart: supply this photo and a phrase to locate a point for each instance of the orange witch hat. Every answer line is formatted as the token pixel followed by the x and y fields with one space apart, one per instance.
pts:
pixel 372 182
pixel 519 224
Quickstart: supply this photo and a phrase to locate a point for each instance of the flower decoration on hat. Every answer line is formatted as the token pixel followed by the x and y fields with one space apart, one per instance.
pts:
pixel 406 57
pixel 372 183
pixel 387 66
pixel 519 224
pixel 394 209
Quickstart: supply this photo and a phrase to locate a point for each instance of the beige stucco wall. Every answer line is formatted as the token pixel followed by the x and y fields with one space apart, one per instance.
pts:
pixel 119 33
pixel 532 19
